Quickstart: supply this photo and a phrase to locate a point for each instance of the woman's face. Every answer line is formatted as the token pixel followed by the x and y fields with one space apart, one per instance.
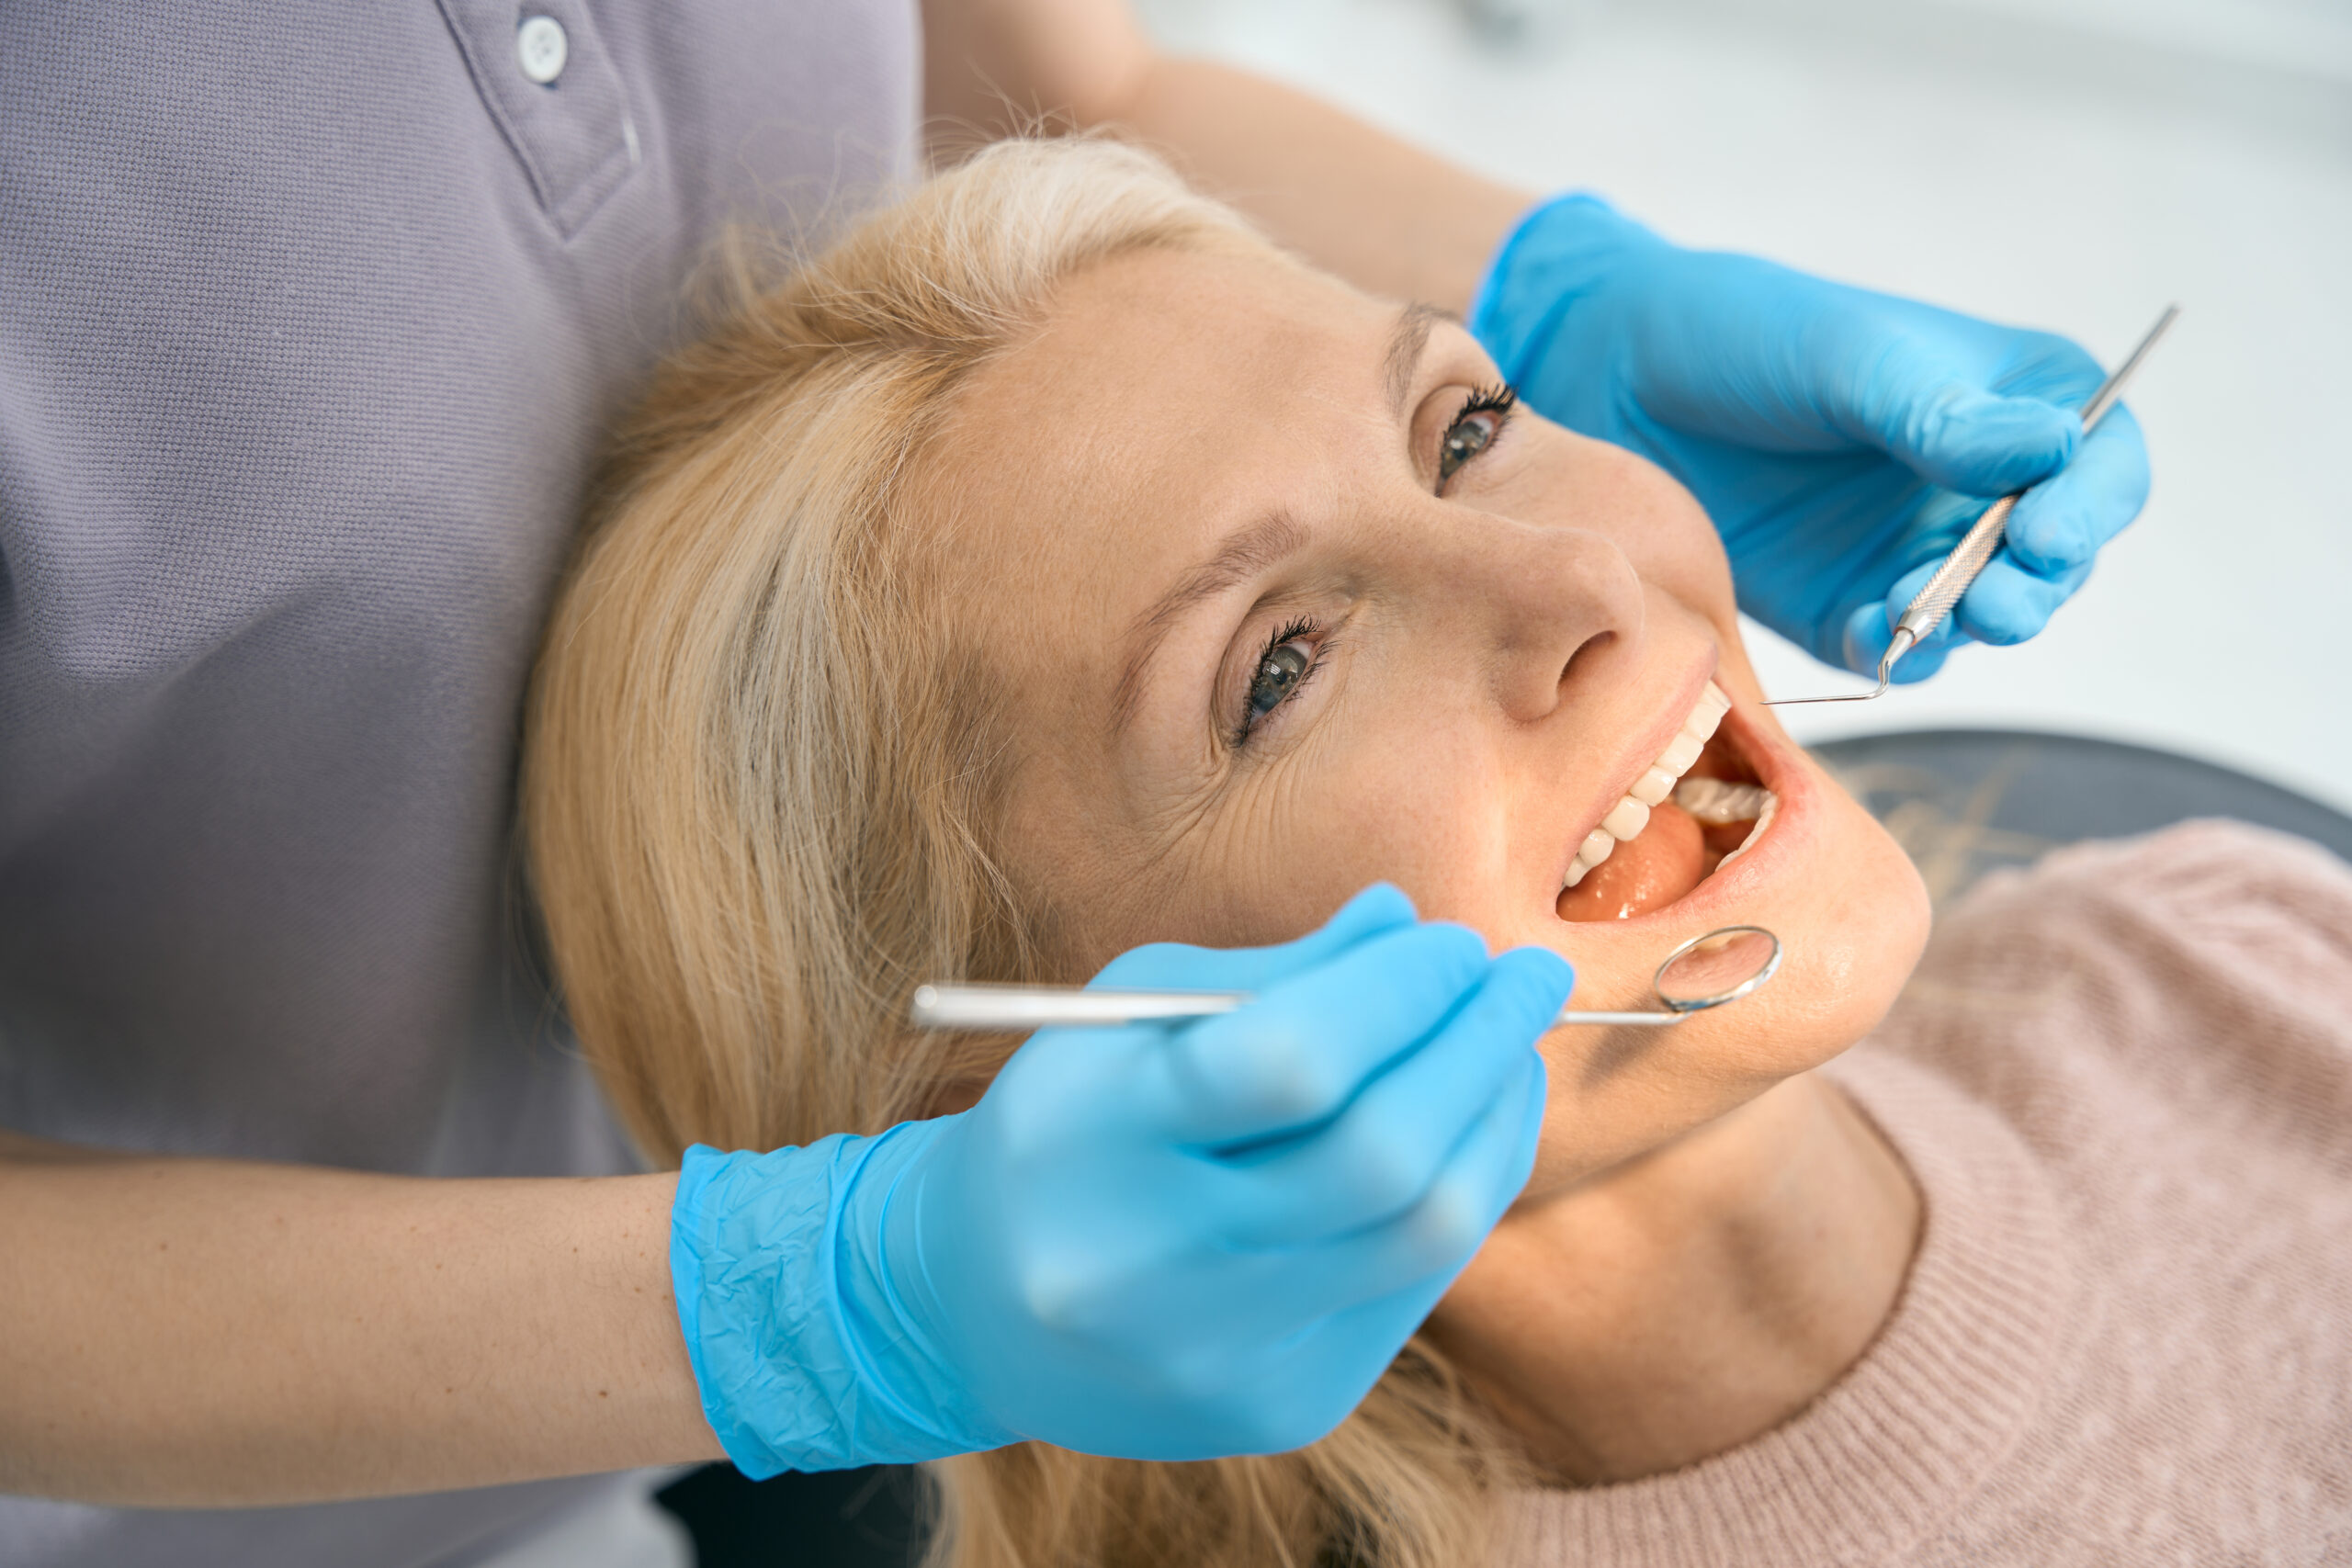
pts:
pixel 1280 602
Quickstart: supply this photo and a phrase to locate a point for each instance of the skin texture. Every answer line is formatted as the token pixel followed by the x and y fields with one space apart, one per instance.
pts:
pixel 1711 1234
pixel 230 1333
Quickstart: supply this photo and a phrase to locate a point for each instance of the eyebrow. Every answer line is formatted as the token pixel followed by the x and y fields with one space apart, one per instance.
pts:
pixel 1406 339
pixel 1260 544
pixel 1248 549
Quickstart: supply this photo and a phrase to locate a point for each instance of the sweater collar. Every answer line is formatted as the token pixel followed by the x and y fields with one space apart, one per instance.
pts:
pixel 1898 1444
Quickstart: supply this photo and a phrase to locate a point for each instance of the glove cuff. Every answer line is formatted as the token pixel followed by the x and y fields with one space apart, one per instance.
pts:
pixel 1557 255
pixel 800 1353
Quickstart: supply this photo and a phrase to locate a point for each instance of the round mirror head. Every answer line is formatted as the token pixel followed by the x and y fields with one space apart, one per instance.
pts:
pixel 1720 966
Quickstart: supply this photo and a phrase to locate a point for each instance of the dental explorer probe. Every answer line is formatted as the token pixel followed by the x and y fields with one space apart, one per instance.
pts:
pixel 1731 962
pixel 1931 603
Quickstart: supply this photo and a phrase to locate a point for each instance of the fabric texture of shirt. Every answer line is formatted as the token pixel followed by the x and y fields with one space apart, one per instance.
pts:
pixel 2123 1082
pixel 310 319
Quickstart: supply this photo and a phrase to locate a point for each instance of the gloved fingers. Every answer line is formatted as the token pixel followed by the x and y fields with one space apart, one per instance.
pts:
pixel 1303 1049
pixel 1097 1068
pixel 1424 1247
pixel 2061 524
pixel 1286 1391
pixel 1384 1153
pixel 1379 909
pixel 2007 604
pixel 1279 1295
pixel 1950 429
pixel 1225 1340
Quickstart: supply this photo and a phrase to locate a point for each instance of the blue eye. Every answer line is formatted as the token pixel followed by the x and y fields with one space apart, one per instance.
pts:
pixel 1278 676
pixel 1474 429
pixel 1286 664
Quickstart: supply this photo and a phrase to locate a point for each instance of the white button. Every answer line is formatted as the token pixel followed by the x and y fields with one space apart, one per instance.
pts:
pixel 541 47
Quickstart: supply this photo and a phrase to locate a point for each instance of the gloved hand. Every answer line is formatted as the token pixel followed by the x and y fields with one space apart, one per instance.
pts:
pixel 1842 441
pixel 1157 1241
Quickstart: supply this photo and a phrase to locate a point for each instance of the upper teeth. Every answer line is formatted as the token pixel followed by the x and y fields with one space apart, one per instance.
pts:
pixel 1632 813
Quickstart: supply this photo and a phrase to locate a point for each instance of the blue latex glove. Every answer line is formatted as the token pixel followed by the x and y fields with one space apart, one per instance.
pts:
pixel 1159 1242
pixel 1842 441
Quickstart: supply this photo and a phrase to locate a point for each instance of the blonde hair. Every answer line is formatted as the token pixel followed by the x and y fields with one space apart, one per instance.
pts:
pixel 758 798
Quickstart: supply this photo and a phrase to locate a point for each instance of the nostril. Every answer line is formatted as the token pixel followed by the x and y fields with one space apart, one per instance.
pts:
pixel 1586 651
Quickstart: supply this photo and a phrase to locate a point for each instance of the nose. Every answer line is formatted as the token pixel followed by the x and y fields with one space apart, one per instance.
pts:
pixel 1552 609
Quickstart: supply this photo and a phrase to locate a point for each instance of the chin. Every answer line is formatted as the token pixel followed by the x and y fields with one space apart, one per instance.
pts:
pixel 1751 831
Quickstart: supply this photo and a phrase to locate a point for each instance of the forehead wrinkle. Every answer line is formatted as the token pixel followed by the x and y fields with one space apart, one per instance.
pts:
pixel 1248 549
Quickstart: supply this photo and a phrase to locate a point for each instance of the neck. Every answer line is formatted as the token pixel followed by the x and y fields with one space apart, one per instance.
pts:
pixel 1694 1299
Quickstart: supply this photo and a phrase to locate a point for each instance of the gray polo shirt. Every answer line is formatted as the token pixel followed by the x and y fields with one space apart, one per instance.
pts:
pixel 310 316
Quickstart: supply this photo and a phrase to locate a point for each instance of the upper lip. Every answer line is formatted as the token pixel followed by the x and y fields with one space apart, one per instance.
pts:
pixel 1646 752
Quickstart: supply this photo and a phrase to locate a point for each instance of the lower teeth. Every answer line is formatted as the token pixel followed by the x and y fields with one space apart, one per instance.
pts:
pixel 1719 803
pixel 1763 820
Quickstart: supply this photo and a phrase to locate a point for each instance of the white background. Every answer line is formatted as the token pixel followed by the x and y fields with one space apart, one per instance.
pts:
pixel 2071 164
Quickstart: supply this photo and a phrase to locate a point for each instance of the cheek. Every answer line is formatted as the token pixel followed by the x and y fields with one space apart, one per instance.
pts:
pixel 1414 805
pixel 1658 524
pixel 1869 932
pixel 1678 551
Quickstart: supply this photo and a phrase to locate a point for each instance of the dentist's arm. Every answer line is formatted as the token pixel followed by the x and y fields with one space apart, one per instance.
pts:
pixel 187 1333
pixel 1373 208
pixel 1165 1240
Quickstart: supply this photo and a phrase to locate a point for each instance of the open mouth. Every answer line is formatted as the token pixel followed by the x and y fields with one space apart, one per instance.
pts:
pixel 1695 809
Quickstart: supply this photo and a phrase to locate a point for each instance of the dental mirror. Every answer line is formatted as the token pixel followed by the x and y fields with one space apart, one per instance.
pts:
pixel 1705 971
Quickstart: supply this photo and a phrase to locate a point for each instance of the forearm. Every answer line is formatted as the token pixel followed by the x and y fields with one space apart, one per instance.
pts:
pixel 200 1333
pixel 1386 215
pixel 1380 212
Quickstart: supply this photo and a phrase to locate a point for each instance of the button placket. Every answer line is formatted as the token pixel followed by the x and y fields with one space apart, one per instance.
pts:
pixel 547 81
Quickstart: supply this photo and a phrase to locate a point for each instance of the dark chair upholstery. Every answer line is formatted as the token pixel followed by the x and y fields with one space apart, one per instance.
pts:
pixel 1963 801
pixel 843 1518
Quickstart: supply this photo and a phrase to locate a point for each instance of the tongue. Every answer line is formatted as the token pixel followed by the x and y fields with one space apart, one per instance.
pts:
pixel 1648 873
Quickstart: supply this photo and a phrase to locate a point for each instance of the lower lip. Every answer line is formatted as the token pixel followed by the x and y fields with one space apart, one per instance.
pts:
pixel 1778 769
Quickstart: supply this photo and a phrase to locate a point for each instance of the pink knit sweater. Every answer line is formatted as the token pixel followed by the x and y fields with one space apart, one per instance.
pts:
pixel 2123 1084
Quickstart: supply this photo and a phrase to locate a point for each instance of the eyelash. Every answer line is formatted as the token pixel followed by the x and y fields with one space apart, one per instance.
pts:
pixel 1291 631
pixel 1498 400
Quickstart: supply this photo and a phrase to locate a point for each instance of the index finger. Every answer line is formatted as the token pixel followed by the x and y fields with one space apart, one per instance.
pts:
pixel 1301 1051
pixel 2060 525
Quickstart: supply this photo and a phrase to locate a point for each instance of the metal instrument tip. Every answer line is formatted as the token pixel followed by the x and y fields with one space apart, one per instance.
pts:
pixel 1899 644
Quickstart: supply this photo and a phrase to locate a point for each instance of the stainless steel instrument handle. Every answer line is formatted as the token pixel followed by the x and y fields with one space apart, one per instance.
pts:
pixel 1016 1009
pixel 1933 602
